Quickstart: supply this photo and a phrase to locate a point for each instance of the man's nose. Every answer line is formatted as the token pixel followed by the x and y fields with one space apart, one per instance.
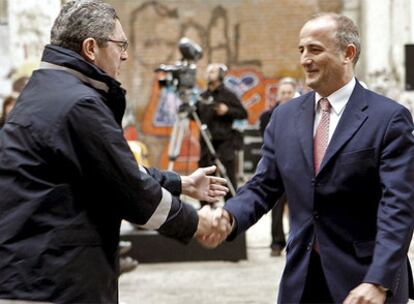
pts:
pixel 305 61
pixel 304 58
pixel 124 55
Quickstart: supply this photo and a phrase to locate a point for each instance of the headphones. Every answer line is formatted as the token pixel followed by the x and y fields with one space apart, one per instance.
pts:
pixel 222 69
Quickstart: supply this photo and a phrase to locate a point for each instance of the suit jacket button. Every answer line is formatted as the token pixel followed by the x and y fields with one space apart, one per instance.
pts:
pixel 315 215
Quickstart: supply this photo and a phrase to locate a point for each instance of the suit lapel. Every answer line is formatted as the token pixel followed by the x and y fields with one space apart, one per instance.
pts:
pixel 349 123
pixel 304 127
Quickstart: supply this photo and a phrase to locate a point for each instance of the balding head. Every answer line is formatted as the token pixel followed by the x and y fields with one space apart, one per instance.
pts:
pixel 346 32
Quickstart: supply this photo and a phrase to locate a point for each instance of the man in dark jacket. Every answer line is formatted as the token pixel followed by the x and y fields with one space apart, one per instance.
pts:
pixel 286 91
pixel 218 111
pixel 68 177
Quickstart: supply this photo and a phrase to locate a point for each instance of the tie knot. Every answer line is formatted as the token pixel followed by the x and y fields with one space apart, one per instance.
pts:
pixel 325 105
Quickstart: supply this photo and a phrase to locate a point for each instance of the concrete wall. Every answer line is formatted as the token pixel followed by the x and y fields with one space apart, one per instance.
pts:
pixel 386 26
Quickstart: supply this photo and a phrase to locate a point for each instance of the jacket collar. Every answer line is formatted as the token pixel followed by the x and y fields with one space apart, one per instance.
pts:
pixel 58 58
pixel 353 117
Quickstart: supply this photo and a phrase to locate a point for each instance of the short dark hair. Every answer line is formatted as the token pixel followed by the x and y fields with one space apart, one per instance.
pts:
pixel 82 19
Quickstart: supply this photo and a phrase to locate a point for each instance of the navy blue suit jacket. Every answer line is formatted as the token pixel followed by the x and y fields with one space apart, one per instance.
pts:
pixel 360 205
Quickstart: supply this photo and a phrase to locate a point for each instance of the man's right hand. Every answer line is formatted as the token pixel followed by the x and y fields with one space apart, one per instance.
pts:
pixel 213 226
pixel 366 293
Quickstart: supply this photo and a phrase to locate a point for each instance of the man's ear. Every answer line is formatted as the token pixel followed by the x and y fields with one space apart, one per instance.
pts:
pixel 350 53
pixel 89 49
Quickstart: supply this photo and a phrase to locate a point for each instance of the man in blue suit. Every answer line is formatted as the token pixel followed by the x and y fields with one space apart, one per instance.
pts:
pixel 344 156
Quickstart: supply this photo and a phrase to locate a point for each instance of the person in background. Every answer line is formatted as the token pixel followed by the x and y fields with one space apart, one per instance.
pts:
pixel 8 105
pixel 19 84
pixel 9 102
pixel 68 176
pixel 219 109
pixel 285 92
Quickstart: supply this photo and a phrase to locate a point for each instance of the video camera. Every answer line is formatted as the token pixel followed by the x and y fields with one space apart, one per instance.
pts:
pixel 182 75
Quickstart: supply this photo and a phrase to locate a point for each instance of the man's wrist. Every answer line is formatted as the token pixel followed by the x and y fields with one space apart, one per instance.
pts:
pixel 186 184
pixel 382 288
pixel 230 218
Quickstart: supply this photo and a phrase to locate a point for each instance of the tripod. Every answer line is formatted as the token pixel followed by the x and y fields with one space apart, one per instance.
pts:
pixel 186 110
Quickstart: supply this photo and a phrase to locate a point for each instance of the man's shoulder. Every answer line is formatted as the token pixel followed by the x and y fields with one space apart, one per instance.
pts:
pixel 229 91
pixel 48 98
pixel 50 83
pixel 297 102
pixel 378 102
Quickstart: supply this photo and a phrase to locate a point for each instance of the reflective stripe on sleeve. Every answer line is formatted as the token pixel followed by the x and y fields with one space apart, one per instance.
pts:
pixel 142 169
pixel 160 214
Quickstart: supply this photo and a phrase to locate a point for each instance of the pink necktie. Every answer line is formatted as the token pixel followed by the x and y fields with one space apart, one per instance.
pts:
pixel 321 140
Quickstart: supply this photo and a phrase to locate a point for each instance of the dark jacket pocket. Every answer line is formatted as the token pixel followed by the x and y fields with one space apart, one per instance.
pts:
pixel 357 156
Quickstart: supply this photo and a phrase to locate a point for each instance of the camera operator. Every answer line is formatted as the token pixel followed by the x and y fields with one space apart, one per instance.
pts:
pixel 218 111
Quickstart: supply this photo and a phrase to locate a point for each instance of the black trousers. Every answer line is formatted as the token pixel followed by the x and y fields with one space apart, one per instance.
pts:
pixel 316 289
pixel 278 235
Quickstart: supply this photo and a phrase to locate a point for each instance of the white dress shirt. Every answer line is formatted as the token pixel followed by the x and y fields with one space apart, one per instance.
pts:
pixel 338 101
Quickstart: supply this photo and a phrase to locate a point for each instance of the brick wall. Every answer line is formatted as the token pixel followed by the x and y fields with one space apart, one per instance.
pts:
pixel 258 35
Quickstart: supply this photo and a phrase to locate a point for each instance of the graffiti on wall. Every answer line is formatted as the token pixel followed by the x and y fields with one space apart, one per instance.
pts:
pixel 255 92
pixel 167 27
pixel 157 44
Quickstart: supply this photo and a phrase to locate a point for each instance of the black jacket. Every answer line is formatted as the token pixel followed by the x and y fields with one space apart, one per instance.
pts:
pixel 67 178
pixel 265 118
pixel 220 127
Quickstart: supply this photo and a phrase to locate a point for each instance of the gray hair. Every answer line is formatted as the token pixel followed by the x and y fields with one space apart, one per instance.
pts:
pixel 288 80
pixel 346 32
pixel 82 19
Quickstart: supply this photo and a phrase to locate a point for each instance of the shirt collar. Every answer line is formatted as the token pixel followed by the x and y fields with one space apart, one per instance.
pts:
pixel 339 98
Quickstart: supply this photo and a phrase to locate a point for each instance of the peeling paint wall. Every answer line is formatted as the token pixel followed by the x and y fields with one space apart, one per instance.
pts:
pixel 30 27
pixel 23 36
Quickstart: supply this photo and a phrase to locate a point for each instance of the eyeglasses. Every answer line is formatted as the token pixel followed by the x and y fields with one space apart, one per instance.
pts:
pixel 123 44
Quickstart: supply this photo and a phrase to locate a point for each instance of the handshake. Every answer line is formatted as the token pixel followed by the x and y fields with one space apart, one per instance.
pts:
pixel 214 225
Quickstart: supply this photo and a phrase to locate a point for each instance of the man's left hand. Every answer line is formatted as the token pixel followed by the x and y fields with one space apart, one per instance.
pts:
pixel 366 293
pixel 204 187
